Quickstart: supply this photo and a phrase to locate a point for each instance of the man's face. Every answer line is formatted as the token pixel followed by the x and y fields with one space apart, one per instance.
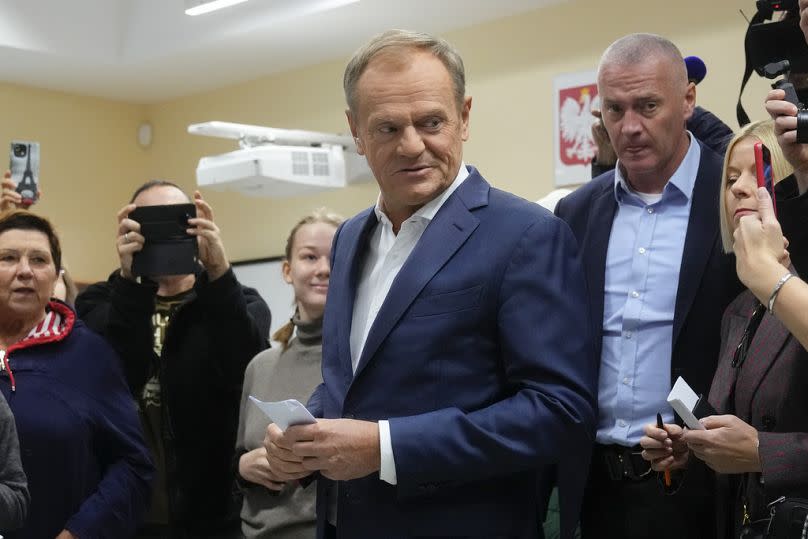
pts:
pixel 645 107
pixel 804 18
pixel 408 126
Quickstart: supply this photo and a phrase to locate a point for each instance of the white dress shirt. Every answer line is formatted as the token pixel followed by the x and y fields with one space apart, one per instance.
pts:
pixel 387 253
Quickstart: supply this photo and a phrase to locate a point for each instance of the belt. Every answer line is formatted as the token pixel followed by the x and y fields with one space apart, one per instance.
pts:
pixel 622 463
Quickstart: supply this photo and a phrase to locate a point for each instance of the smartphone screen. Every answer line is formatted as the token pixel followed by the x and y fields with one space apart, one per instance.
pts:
pixel 24 167
pixel 763 166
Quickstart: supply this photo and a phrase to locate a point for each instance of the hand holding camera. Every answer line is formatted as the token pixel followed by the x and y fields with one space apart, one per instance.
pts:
pixel 784 114
pixel 20 186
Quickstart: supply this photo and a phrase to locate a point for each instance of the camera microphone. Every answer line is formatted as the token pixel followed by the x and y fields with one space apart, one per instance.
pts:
pixel 696 69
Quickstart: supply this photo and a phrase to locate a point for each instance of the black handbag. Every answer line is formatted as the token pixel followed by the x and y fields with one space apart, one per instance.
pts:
pixel 789 518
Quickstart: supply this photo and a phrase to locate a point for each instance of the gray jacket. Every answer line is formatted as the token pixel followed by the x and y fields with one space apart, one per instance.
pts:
pixel 14 496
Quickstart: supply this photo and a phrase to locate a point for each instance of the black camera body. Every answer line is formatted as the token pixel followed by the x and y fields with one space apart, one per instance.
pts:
pixel 168 248
pixel 776 69
pixel 767 7
pixel 779 49
pixel 767 43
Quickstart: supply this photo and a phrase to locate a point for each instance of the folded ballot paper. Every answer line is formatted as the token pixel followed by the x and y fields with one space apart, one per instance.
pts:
pixel 688 405
pixel 285 413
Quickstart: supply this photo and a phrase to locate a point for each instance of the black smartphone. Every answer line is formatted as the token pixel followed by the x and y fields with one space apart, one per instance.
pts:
pixel 168 248
pixel 23 163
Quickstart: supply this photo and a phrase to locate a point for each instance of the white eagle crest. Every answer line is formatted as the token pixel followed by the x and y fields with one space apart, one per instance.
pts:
pixel 576 126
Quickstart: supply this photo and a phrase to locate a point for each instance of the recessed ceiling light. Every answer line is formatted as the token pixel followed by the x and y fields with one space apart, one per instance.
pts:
pixel 200 7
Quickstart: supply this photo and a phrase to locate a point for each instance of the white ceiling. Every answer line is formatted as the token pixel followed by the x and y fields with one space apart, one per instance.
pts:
pixel 149 50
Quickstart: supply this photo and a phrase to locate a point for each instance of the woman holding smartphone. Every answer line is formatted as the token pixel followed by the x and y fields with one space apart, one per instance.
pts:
pixel 291 371
pixel 758 441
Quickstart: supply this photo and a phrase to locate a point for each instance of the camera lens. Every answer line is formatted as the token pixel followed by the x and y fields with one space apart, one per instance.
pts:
pixel 20 150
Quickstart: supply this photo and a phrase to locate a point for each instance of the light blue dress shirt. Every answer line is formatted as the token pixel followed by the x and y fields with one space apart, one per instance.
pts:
pixel 641 281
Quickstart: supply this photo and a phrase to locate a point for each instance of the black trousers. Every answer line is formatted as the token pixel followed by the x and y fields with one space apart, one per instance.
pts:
pixel 640 508
pixel 165 532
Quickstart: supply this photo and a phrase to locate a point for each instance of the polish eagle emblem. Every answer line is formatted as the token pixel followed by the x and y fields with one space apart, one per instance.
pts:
pixel 575 125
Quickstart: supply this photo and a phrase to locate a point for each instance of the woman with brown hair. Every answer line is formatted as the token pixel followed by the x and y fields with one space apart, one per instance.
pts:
pixel 82 447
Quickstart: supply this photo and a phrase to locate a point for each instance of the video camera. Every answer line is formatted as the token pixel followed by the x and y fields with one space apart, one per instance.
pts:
pixel 775 49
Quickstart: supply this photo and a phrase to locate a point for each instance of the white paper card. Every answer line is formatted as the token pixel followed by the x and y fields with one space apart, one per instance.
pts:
pixel 683 399
pixel 286 413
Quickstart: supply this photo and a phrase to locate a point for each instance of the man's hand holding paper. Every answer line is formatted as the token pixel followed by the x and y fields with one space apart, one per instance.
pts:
pixel 339 449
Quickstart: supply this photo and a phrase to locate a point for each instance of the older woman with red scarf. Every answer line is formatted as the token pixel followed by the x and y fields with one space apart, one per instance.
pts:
pixel 82 448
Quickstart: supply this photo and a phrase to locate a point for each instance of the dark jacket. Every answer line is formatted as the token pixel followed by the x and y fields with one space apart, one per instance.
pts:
pixel 767 390
pixel 14 498
pixel 82 446
pixel 792 212
pixel 209 342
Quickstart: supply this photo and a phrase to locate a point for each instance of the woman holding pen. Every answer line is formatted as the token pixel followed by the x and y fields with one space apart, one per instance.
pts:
pixel 758 442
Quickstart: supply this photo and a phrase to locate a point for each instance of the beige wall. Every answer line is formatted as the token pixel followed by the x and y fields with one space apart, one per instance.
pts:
pixel 89 160
pixel 510 67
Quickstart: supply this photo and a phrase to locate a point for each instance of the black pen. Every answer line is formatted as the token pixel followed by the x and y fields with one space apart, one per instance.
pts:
pixel 661 425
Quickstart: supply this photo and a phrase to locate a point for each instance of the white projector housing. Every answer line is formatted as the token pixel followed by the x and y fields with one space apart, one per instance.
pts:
pixel 279 163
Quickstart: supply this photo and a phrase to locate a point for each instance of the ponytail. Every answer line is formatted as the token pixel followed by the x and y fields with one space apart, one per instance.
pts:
pixel 284 334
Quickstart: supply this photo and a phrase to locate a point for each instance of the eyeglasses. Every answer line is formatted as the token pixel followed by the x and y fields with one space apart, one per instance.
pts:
pixel 748 334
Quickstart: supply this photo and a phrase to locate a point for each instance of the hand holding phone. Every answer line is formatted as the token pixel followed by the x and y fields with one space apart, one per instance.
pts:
pixel 24 167
pixel 763 168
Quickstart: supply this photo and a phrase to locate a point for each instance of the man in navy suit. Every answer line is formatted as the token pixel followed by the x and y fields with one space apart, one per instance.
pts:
pixel 658 284
pixel 457 360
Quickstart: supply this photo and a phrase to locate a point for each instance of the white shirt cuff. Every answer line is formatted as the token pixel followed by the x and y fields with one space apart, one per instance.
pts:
pixel 387 472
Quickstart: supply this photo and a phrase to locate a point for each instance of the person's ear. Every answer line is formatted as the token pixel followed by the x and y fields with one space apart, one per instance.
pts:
pixel 355 132
pixel 690 100
pixel 286 271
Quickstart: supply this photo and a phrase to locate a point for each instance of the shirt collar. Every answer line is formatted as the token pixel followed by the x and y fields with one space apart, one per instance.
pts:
pixel 428 211
pixel 683 180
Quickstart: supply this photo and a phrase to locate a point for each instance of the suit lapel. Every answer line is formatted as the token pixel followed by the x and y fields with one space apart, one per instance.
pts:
pixel 722 388
pixel 765 349
pixel 701 239
pixel 357 238
pixel 594 249
pixel 449 229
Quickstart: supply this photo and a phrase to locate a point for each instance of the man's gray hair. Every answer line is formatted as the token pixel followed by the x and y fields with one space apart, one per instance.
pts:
pixel 638 48
pixel 404 39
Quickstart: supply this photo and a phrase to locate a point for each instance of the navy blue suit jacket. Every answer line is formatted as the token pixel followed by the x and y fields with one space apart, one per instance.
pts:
pixel 481 359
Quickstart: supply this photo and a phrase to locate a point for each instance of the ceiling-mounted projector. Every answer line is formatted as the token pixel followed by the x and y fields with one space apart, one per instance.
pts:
pixel 279 162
